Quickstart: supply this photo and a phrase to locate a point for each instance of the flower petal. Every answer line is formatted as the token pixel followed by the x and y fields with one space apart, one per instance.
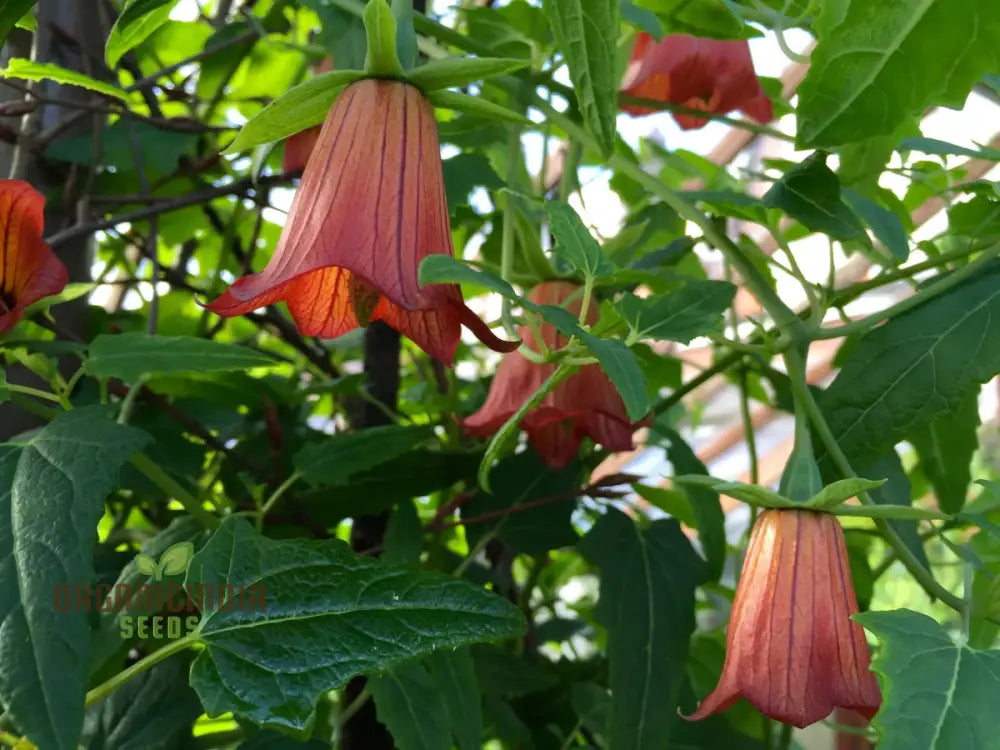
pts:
pixel 29 270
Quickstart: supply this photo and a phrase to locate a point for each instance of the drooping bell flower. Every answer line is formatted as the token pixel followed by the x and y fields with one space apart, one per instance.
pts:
pixel 299 146
pixel 370 207
pixel 29 270
pixel 791 647
pixel 708 74
pixel 586 403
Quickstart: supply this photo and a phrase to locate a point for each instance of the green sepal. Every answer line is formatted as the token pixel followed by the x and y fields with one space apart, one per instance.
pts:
pixel 474 106
pixel 298 108
pixel 382 58
pixel 454 72
pixel 406 35
pixel 801 480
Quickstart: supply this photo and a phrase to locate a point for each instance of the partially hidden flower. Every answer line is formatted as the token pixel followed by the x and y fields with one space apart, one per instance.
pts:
pixel 586 403
pixel 711 75
pixel 370 207
pixel 29 270
pixel 791 648
pixel 299 147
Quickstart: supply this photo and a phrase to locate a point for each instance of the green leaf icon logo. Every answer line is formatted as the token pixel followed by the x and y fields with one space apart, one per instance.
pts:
pixel 176 558
pixel 145 564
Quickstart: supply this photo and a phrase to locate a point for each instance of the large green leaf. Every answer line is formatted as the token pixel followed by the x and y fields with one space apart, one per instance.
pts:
pixel 648 579
pixel 138 19
pixel 330 614
pixel 877 64
pixel 586 32
pixel 693 310
pixel 937 693
pixel 810 193
pixel 129 356
pixel 915 368
pixel 710 519
pixel 152 711
pixel 336 459
pixel 412 707
pixel 454 674
pixel 52 492
pixel 945 447
pixel 548 498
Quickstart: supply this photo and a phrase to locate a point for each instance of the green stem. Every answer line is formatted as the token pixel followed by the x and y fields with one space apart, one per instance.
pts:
pixel 785 737
pixel 172 488
pixel 128 403
pixel 275 497
pixel 568 183
pixel 35 392
pixel 509 230
pixel 504 435
pixel 108 687
pixel 940 287
pixel 700 379
pixel 796 373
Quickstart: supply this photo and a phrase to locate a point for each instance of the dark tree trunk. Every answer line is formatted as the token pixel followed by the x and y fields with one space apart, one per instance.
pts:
pixel 71 34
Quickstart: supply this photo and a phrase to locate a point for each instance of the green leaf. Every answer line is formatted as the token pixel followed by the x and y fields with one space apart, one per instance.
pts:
pixel 499 672
pixel 809 192
pixel 443 269
pixel 943 148
pixel 381 57
pixel 4 390
pixel 885 224
pixel 648 580
pixel 937 694
pixel 145 564
pixel 334 460
pixel 403 536
pixel 298 108
pixel 10 13
pixel 474 106
pixel 129 356
pixel 915 368
pixel 586 32
pixel 842 490
pixel 524 480
pixel 621 366
pixel 454 72
pixel 673 502
pixel 946 447
pixel 138 19
pixel 154 711
pixel 574 242
pixel 330 614
pixel 411 705
pixel 871 69
pixel 176 558
pixel 28 70
pixel 52 492
pixel 454 674
pixel 270 739
pixel 747 493
pixel 693 310
pixel 905 512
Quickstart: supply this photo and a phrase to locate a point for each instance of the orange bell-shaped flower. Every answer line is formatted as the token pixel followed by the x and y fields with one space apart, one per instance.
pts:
pixel 707 74
pixel 29 270
pixel 587 403
pixel 791 647
pixel 371 206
